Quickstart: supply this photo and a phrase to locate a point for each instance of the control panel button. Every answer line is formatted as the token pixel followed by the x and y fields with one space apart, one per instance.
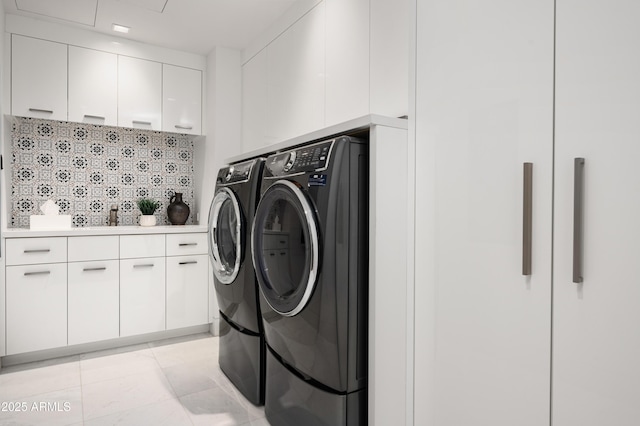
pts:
pixel 229 174
pixel 290 161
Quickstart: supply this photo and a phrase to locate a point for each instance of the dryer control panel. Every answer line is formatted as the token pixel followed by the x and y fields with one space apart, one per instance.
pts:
pixel 236 173
pixel 310 158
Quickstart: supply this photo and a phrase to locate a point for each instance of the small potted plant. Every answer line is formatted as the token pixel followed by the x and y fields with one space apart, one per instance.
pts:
pixel 148 207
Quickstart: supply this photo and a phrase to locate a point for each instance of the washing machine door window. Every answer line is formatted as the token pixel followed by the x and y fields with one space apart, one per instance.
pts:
pixel 285 247
pixel 225 235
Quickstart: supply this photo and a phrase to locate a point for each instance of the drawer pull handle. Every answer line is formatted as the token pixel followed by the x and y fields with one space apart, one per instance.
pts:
pixel 144 265
pixel 179 126
pixel 46 111
pixel 103 268
pixel 187 244
pixel 37 251
pixel 190 262
pixel 97 117
pixel 148 123
pixel 26 274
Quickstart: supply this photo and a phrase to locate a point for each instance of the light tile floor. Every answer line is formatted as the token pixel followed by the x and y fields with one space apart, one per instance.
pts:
pixel 173 382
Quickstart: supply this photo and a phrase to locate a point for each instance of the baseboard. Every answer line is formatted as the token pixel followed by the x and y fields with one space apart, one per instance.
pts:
pixel 8 360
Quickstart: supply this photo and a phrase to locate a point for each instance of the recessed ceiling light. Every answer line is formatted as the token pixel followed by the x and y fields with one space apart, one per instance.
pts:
pixel 120 28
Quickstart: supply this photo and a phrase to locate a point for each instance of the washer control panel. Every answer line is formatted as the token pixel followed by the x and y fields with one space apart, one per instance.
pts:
pixel 310 158
pixel 236 173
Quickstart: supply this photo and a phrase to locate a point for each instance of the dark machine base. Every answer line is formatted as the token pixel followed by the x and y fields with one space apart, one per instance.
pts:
pixel 242 358
pixel 293 401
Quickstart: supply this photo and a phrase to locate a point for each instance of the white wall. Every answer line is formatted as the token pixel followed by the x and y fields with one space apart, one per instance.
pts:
pixel 3 176
pixel 222 121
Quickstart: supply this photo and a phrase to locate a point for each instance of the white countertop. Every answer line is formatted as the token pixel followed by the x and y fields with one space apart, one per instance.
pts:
pixel 350 126
pixel 103 230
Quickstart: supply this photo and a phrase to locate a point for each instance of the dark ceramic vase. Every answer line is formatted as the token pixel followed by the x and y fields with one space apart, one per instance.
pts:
pixel 178 211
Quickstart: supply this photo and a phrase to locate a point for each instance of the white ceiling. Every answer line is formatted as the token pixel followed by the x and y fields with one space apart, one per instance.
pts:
pixel 195 26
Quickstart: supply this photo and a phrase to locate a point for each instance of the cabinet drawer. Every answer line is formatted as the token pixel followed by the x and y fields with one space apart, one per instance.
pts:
pixel 93 248
pixel 136 246
pixel 186 244
pixel 28 251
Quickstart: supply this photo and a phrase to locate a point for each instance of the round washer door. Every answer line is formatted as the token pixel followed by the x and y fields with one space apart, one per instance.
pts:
pixel 225 235
pixel 285 248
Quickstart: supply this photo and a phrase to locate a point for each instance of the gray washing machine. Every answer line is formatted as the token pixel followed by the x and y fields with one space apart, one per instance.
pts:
pixel 310 253
pixel 241 345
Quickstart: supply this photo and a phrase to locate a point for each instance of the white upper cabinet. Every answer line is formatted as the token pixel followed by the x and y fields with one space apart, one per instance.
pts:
pixel 63 82
pixel 295 78
pixel 181 100
pixel 347 60
pixel 139 93
pixel 341 60
pixel 254 103
pixel 93 86
pixel 38 78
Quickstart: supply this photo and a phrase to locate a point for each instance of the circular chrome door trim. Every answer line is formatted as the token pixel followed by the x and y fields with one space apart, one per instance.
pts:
pixel 312 228
pixel 223 274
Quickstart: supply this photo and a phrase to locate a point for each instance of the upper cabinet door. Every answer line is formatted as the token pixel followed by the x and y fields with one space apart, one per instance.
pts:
pixel 139 93
pixel 596 333
pixel 181 100
pixel 295 78
pixel 38 78
pixel 484 108
pixel 255 103
pixel 93 86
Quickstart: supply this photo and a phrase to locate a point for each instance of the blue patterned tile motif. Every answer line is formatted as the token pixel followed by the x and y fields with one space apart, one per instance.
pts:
pixel 86 168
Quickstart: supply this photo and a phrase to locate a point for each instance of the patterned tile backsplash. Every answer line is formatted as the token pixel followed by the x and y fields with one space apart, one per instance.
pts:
pixel 87 168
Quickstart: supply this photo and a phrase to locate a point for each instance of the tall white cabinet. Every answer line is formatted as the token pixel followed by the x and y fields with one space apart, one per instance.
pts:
pixel 485 106
pixel 596 332
pixel 498 85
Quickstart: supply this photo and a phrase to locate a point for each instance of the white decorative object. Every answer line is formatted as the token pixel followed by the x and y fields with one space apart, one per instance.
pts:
pixel 50 208
pixel 49 223
pixel 147 220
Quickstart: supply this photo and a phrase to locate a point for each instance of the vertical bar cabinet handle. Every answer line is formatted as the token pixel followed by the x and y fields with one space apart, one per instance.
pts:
pixel 527 217
pixel 578 219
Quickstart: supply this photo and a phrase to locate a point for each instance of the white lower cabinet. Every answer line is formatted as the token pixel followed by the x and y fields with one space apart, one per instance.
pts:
pixel 187 291
pixel 142 295
pixel 36 307
pixel 93 301
pixel 81 289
